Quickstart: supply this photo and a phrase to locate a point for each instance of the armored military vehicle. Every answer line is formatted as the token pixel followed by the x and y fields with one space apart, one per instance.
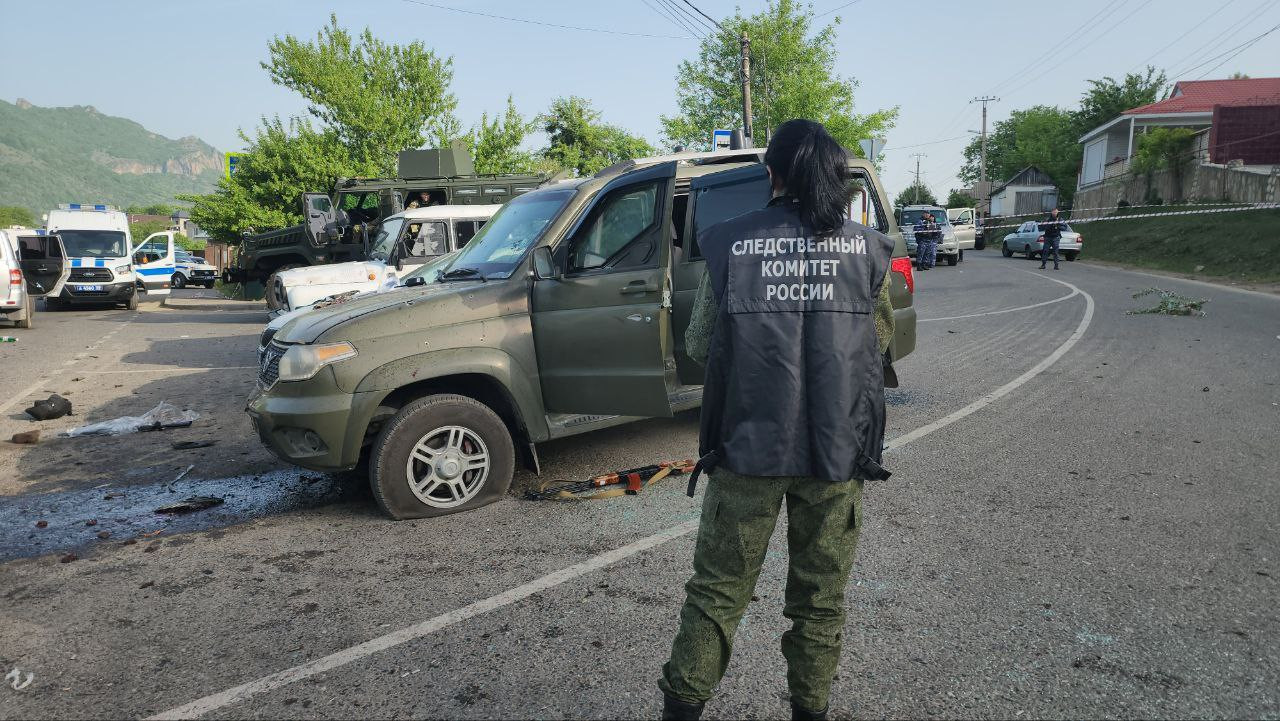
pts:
pixel 338 226
pixel 565 313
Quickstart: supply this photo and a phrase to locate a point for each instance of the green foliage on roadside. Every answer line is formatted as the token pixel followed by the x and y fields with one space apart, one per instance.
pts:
pixel 496 145
pixel 1107 98
pixel 1238 245
pixel 1162 148
pixel 910 196
pixel 792 76
pixel 1042 136
pixel 14 215
pixel 580 141
pixel 1169 303
pixel 958 199
pixel 377 98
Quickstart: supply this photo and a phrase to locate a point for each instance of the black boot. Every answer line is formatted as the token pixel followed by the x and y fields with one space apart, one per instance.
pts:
pixel 673 709
pixel 800 713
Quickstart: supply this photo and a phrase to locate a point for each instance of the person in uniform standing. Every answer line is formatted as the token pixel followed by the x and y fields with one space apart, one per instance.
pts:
pixel 1052 229
pixel 927 235
pixel 792 320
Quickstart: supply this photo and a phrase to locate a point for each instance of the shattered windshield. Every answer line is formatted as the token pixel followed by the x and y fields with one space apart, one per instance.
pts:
pixel 385 241
pixel 94 243
pixel 500 245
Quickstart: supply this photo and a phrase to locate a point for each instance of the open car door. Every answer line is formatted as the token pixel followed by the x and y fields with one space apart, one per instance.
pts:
pixel 44 264
pixel 602 329
pixel 318 210
pixel 154 262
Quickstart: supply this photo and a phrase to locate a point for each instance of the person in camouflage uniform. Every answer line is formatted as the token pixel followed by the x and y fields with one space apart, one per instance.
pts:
pixel 739 513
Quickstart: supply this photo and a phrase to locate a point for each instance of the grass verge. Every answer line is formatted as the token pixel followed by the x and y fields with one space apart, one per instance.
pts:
pixel 1243 245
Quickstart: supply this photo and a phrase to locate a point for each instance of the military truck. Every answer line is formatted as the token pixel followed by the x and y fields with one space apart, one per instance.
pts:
pixel 338 225
pixel 565 314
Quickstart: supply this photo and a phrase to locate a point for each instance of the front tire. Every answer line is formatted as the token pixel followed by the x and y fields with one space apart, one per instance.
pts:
pixel 952 260
pixel 178 281
pixel 1004 250
pixel 132 303
pixel 439 455
pixel 1071 256
pixel 28 318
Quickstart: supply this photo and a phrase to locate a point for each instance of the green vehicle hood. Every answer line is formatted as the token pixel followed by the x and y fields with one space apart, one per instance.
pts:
pixel 309 326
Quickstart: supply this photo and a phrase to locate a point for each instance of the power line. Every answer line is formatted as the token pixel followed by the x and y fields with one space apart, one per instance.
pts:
pixel 1243 47
pixel 842 7
pixel 1193 28
pixel 1212 44
pixel 665 14
pixel 545 24
pixel 1076 50
pixel 685 17
pixel 712 20
pixel 1109 8
pixel 931 142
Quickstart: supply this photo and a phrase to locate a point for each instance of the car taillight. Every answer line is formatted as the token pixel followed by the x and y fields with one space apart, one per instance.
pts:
pixel 903 266
pixel 1040 239
pixel 15 276
pixel 1079 240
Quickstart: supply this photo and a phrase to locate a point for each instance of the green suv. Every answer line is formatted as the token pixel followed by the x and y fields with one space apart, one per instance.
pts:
pixel 564 314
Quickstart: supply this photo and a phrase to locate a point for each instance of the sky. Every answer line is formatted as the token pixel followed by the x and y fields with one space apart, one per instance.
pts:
pixel 185 68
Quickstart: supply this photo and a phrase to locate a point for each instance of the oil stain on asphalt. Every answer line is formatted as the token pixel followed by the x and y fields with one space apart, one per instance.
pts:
pixel 37 524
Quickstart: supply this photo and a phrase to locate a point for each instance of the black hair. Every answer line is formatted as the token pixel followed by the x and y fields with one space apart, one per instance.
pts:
pixel 813 169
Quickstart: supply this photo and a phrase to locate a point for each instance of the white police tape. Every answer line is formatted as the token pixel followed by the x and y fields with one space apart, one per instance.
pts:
pixel 1113 208
pixel 1080 221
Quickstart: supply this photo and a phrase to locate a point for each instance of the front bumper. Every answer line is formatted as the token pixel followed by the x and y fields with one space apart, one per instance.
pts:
pixel 313 423
pixel 949 248
pixel 110 293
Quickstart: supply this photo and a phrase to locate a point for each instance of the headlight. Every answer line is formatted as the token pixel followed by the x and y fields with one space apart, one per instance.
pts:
pixel 301 362
pixel 122 269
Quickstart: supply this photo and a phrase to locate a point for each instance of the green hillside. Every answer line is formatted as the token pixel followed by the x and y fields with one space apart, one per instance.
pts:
pixel 58 155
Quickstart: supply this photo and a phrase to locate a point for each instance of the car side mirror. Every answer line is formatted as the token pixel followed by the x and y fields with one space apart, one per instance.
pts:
pixel 544 264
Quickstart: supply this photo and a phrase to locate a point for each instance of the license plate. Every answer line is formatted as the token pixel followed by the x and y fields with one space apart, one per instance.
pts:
pixel 88 287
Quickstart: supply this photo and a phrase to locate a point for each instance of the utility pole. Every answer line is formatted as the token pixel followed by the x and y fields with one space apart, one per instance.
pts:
pixel 745 73
pixel 984 205
pixel 918 156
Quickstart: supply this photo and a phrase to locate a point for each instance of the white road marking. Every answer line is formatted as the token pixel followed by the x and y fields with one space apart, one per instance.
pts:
pixel 1068 296
pixel 201 706
pixel 1203 283
pixel 22 395
pixel 1012 385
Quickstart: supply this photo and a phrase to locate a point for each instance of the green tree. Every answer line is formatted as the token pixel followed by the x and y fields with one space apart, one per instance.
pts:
pixel 14 215
pixel 496 144
pixel 580 141
pixel 1163 148
pixel 282 162
pixel 377 98
pixel 960 199
pixel 1106 99
pixel 1042 136
pixel 792 76
pixel 915 194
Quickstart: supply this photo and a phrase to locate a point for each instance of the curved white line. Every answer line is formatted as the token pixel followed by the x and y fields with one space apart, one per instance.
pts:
pixel 1012 385
pixel 1068 296
pixel 201 706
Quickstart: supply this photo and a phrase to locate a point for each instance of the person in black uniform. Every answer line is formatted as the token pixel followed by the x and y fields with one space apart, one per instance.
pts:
pixel 792 411
pixel 1052 229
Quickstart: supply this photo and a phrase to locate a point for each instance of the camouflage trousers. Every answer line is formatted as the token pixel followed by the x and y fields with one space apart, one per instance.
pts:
pixel 738 517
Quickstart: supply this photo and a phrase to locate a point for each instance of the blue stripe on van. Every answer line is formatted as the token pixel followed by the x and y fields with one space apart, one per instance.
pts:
pixel 159 270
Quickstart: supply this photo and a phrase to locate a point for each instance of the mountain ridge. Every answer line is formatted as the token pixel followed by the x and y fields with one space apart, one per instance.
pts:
pixel 51 155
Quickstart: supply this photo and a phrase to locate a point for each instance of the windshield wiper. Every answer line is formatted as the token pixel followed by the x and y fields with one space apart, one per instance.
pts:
pixel 463 273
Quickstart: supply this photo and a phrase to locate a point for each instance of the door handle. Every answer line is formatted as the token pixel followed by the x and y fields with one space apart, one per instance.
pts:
pixel 638 286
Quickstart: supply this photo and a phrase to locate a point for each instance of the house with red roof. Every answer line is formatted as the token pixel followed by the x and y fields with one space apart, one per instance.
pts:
pixel 1240 119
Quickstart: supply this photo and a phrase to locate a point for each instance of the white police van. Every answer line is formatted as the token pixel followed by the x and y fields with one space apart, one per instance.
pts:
pixel 105 265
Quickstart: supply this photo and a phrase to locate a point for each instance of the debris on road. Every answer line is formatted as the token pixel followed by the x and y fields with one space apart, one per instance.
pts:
pixel 8 339
pixel 164 415
pixel 635 479
pixel 190 505
pixel 188 445
pixel 180 476
pixel 69 558
pixel 1171 303
pixel 26 438
pixel 91 522
pixel 55 406
pixel 104 535
pixel 42 524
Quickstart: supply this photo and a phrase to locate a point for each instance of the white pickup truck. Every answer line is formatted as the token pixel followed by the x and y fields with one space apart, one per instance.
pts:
pixel 404 242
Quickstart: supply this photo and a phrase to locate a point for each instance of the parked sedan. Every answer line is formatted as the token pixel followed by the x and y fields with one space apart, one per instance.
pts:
pixel 1029 239
pixel 192 270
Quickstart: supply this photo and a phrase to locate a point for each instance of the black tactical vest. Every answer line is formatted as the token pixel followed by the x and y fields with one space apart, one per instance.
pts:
pixel 795 382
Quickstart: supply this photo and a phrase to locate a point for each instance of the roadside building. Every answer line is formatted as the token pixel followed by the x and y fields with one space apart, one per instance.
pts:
pixel 1029 192
pixel 1238 120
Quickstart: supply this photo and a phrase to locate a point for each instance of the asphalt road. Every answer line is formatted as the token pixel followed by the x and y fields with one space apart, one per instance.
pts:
pixel 1082 522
